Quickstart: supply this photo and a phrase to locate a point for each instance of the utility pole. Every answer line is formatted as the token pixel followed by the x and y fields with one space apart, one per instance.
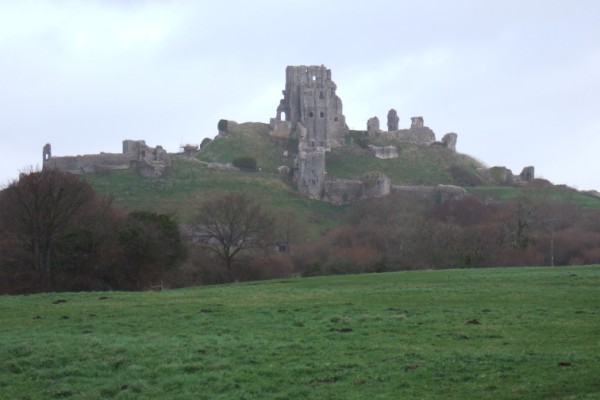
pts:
pixel 552 248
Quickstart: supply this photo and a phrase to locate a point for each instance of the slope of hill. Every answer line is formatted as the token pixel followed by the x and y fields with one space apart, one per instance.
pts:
pixel 250 139
pixel 190 182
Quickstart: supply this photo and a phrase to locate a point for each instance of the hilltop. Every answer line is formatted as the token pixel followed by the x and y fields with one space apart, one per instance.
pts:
pixel 305 152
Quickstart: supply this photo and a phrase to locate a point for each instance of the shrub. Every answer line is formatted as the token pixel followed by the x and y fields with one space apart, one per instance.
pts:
pixel 205 142
pixel 245 163
pixel 222 125
pixel 464 176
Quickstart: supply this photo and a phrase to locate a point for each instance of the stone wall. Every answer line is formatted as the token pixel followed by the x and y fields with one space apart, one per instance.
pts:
pixel 282 129
pixel 417 122
pixel 422 135
pixel 310 171
pixel 505 176
pixel 373 128
pixel 449 140
pixel 418 133
pixel 437 193
pixel 527 174
pixel 384 152
pixel 375 184
pixel 89 163
pixel 344 191
pixel 151 162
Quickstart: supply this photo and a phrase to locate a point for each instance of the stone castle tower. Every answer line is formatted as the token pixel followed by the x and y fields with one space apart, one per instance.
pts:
pixel 311 112
pixel 309 98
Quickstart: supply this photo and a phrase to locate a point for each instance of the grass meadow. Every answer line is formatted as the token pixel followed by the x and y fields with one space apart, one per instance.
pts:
pixel 520 333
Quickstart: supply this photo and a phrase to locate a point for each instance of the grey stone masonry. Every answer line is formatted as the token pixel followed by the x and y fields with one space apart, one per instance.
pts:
pixel 310 99
pixel 392 120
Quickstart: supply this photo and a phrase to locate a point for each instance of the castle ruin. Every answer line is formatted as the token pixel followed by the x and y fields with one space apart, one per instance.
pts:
pixel 150 162
pixel 418 133
pixel 311 112
pixel 309 99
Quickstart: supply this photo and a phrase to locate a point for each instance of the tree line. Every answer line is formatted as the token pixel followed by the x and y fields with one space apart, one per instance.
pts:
pixel 57 234
pixel 398 233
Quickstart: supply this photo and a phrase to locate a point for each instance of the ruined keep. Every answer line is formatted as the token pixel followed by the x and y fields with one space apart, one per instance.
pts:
pixel 310 112
pixel 309 99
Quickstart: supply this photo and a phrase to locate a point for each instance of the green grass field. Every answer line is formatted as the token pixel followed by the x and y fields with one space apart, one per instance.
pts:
pixel 522 333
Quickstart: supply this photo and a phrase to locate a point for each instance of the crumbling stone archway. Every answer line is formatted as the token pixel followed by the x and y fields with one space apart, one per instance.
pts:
pixel 47 152
pixel 281 111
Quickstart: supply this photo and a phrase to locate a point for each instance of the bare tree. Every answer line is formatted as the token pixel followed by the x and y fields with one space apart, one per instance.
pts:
pixel 289 230
pixel 233 225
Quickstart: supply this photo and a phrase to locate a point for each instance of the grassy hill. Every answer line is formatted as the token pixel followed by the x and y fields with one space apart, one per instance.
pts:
pixel 558 193
pixel 181 192
pixel 250 139
pixel 415 165
pixel 521 333
pixel 191 181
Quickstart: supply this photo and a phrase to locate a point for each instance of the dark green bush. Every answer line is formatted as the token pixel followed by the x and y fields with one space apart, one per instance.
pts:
pixel 222 125
pixel 464 176
pixel 245 162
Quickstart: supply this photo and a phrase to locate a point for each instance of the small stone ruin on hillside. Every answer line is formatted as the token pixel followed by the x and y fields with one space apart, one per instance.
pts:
pixel 150 162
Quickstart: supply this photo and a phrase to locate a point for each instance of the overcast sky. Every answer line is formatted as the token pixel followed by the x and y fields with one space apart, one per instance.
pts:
pixel 519 81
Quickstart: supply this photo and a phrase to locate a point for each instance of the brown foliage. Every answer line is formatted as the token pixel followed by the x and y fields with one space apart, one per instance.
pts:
pixel 390 234
pixel 347 249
